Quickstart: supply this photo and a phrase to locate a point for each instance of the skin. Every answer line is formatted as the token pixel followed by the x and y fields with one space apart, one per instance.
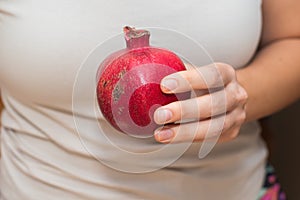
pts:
pixel 269 83
pixel 276 69
pixel 1 108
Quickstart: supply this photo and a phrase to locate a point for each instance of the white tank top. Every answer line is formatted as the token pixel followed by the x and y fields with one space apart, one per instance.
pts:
pixel 42 48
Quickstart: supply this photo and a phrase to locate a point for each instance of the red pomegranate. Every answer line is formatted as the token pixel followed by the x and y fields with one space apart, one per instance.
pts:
pixel 128 87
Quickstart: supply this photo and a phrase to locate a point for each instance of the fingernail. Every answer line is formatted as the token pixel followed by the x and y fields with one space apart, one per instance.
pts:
pixel 164 135
pixel 162 116
pixel 169 84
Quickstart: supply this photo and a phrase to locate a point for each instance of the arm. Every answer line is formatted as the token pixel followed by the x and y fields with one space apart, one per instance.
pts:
pixel 1 107
pixel 272 80
pixel 268 84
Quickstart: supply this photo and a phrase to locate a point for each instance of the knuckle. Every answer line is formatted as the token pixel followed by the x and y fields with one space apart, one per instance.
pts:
pixel 215 76
pixel 176 107
pixel 188 76
pixel 234 133
pixel 228 122
pixel 204 106
pixel 242 117
pixel 243 95
pixel 231 71
pixel 237 94
pixel 226 68
pixel 232 95
pixel 184 112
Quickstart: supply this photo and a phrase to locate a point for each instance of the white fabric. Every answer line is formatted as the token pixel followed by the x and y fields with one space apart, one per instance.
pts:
pixel 41 49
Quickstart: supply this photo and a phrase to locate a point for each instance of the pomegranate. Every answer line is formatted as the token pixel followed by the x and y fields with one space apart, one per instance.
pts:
pixel 128 83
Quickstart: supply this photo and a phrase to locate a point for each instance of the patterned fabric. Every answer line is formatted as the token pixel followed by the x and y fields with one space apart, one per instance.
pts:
pixel 271 189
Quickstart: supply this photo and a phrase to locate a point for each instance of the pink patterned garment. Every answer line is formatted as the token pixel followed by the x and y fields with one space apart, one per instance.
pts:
pixel 272 189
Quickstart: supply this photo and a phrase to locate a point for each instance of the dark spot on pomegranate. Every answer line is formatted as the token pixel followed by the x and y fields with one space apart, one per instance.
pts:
pixel 117 92
pixel 122 73
pixel 104 84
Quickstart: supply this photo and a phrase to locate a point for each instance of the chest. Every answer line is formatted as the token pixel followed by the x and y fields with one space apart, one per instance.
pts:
pixel 43 47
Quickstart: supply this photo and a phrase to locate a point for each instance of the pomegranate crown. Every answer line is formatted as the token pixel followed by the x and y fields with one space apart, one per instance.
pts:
pixel 136 38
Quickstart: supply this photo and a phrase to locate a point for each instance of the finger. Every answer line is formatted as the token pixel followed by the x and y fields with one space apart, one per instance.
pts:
pixel 211 76
pixel 202 107
pixel 229 135
pixel 200 130
pixel 233 132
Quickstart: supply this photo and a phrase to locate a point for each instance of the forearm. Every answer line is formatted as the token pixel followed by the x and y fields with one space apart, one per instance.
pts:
pixel 1 107
pixel 272 80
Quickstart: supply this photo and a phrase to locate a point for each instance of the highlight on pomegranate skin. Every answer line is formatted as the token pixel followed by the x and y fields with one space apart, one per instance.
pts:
pixel 128 87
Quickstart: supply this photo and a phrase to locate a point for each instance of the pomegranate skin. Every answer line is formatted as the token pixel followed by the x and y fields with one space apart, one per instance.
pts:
pixel 128 88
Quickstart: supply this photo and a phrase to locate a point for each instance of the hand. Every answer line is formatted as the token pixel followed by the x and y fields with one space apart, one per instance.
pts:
pixel 220 108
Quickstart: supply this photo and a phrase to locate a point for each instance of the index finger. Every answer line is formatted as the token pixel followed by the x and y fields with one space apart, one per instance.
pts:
pixel 211 76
